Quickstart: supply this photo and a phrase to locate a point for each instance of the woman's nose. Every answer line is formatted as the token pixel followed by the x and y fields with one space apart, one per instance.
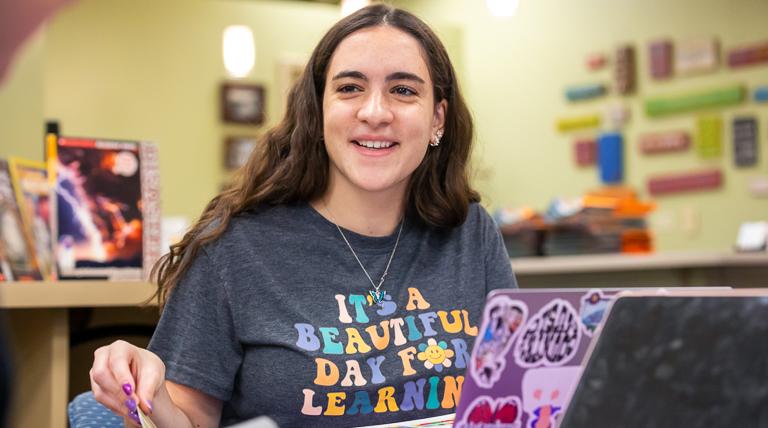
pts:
pixel 375 110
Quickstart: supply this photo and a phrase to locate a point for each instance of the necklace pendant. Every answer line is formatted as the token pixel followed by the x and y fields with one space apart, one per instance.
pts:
pixel 377 296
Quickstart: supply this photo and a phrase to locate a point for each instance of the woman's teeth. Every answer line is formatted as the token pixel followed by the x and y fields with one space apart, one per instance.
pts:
pixel 375 144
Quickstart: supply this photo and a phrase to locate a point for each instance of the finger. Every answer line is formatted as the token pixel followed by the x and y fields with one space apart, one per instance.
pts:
pixel 120 360
pixel 108 400
pixel 149 380
pixel 102 375
pixel 116 402
pixel 132 413
pixel 108 379
pixel 132 420
pixel 129 409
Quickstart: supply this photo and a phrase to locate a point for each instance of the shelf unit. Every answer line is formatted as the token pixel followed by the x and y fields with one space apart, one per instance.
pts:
pixel 37 314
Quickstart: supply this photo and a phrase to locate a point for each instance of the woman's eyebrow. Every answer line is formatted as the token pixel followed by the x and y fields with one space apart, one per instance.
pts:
pixel 350 73
pixel 398 75
pixel 404 75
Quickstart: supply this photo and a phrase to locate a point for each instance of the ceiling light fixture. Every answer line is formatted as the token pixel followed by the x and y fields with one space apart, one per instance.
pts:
pixel 239 50
pixel 502 8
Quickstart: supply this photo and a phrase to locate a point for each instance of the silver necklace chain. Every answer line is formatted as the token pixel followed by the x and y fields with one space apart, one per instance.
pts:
pixel 391 256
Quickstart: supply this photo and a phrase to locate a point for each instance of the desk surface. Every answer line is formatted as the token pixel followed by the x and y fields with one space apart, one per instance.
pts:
pixel 629 262
pixel 71 294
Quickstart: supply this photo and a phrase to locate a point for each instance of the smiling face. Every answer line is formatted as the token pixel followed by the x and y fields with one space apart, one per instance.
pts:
pixel 435 354
pixel 379 111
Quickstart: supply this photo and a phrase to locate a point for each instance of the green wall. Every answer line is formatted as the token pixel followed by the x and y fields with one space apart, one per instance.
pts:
pixel 151 70
pixel 22 102
pixel 517 68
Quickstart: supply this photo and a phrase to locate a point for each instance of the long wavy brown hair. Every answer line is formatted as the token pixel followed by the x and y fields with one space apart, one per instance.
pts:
pixel 290 163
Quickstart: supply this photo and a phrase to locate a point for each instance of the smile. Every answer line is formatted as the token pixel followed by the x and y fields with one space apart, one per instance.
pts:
pixel 374 144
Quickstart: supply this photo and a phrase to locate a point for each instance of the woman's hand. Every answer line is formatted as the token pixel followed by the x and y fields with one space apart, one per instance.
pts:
pixel 125 376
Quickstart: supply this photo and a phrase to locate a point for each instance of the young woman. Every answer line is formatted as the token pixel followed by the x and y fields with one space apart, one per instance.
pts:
pixel 340 281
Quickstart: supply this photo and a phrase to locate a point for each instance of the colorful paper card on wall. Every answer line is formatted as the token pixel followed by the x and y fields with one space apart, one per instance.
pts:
pixel 566 124
pixel 610 157
pixel 697 55
pixel 748 55
pixel 686 182
pixel 585 152
pixel 709 141
pixel 662 142
pixel 661 59
pixel 617 115
pixel 672 104
pixel 745 141
pixel 761 94
pixel 584 92
pixel 758 186
pixel 625 70
pixel 596 61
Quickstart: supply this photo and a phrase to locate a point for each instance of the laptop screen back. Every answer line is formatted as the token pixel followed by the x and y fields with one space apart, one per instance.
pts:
pixel 677 362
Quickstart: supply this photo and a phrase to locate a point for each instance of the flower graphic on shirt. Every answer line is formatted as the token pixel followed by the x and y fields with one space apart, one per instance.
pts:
pixel 435 354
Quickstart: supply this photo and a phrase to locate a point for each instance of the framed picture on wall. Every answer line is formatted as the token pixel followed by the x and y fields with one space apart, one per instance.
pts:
pixel 237 150
pixel 242 103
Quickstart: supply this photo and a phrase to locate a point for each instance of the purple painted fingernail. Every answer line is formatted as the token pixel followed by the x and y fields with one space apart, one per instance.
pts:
pixel 127 389
pixel 135 417
pixel 149 404
pixel 131 404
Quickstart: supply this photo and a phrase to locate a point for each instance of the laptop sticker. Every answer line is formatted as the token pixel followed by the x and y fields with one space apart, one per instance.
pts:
pixel 545 391
pixel 593 306
pixel 485 411
pixel 502 320
pixel 551 337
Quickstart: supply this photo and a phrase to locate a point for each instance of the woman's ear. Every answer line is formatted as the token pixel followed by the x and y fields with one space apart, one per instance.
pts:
pixel 438 122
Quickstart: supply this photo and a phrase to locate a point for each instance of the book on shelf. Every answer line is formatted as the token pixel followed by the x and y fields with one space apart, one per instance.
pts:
pixel 30 182
pixel 17 259
pixel 106 207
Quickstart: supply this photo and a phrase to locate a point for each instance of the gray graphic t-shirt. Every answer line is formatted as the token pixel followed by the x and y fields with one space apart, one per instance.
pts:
pixel 274 318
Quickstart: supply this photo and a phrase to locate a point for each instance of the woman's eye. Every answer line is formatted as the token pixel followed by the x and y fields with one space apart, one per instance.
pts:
pixel 348 89
pixel 403 90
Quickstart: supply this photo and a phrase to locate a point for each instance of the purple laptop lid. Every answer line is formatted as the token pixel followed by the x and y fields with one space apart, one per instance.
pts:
pixel 528 355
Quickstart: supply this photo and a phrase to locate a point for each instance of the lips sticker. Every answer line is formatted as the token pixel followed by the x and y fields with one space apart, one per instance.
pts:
pixel 487 412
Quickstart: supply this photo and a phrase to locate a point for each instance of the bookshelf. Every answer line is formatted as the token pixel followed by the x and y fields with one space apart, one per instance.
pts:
pixel 38 326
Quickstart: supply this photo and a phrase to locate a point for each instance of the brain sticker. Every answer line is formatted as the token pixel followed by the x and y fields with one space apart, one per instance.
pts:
pixel 549 338
pixel 502 321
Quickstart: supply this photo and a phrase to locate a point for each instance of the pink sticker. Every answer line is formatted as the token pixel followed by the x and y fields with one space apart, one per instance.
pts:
pixel 546 392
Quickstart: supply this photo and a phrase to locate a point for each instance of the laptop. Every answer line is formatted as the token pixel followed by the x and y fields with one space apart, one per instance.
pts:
pixel 527 356
pixel 680 360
